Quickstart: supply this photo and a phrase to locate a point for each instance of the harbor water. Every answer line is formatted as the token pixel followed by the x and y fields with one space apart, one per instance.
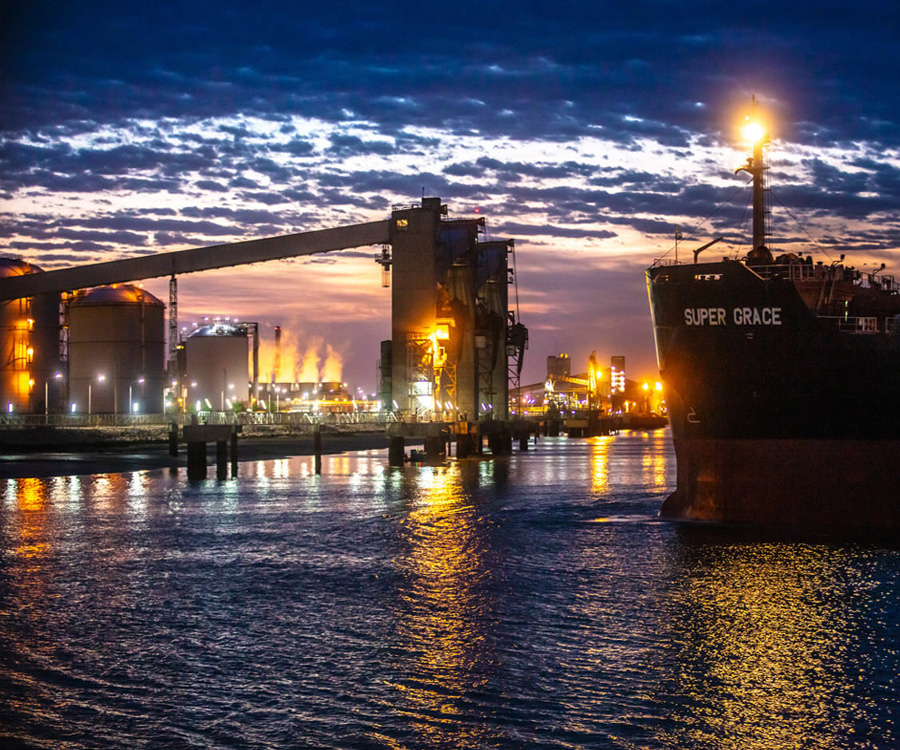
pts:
pixel 532 601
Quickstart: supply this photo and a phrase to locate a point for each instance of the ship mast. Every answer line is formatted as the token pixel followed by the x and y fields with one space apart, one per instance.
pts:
pixel 757 168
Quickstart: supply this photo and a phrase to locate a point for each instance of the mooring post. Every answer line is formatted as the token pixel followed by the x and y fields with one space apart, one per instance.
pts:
pixel 524 436
pixel 234 454
pixel 173 439
pixel 434 446
pixel 197 436
pixel 462 440
pixel 396 450
pixel 221 459
pixel 317 447
pixel 196 460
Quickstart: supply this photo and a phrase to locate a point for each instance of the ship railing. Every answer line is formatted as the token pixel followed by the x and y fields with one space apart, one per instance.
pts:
pixel 799 271
pixel 860 325
pixel 791 271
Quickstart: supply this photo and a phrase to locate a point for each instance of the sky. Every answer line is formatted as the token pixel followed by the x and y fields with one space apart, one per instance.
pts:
pixel 588 132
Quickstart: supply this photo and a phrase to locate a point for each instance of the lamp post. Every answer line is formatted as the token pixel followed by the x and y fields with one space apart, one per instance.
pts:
pixel 100 379
pixel 131 409
pixel 57 376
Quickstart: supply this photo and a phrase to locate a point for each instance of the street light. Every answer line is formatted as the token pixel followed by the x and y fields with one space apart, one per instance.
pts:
pixel 100 379
pixel 131 404
pixel 57 376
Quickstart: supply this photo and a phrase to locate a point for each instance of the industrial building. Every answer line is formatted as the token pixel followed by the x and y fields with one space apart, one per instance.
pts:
pixel 116 351
pixel 29 346
pixel 455 341
pixel 602 389
pixel 215 374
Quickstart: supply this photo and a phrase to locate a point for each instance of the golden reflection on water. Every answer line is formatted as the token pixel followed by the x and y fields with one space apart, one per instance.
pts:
pixel 600 462
pixel 31 499
pixel 762 643
pixel 442 621
pixel 655 466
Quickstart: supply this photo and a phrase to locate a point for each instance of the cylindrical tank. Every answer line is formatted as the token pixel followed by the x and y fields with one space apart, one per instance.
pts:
pixel 29 347
pixel 117 351
pixel 217 370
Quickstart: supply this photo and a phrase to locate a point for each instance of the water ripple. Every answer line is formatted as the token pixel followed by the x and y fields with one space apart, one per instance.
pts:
pixel 529 602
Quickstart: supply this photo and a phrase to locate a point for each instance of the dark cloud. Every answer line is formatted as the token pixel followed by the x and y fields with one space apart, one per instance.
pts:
pixel 203 116
pixel 531 230
pixel 551 71
pixel 345 146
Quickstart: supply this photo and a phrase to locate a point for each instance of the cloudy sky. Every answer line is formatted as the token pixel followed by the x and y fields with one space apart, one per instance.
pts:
pixel 586 131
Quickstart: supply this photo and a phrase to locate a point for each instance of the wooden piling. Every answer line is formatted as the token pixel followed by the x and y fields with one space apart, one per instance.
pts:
pixel 317 448
pixel 173 439
pixel 196 460
pixel 396 449
pixel 221 459
pixel 434 446
pixel 523 439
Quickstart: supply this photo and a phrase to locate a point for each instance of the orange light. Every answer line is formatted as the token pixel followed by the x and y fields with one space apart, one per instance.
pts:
pixel 753 131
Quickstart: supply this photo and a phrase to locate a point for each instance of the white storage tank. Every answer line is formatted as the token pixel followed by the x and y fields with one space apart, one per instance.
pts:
pixel 117 351
pixel 217 371
pixel 29 347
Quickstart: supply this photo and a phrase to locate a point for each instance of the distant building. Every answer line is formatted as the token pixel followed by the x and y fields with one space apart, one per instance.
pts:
pixel 216 367
pixel 597 389
pixel 559 366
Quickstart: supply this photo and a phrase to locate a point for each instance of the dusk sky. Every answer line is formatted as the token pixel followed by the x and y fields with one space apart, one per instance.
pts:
pixel 587 132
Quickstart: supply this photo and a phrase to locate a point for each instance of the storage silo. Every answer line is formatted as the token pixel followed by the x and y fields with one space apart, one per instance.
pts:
pixel 117 350
pixel 29 346
pixel 216 363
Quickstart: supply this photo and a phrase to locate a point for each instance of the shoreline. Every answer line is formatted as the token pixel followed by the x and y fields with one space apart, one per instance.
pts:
pixel 37 462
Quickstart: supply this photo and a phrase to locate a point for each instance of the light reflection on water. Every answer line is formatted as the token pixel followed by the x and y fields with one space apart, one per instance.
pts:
pixel 474 604
pixel 781 633
pixel 439 608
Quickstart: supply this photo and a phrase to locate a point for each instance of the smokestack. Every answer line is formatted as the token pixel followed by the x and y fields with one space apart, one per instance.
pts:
pixel 277 354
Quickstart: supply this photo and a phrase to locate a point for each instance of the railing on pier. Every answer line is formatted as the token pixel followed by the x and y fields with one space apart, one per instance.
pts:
pixel 286 419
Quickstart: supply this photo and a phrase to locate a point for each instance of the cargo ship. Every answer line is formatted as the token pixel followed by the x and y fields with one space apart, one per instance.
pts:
pixel 782 378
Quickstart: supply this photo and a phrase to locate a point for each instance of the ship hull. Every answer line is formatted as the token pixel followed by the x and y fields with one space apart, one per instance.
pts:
pixel 778 418
pixel 815 485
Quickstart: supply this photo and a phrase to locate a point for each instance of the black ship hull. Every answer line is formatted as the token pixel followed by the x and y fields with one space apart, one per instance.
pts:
pixel 779 415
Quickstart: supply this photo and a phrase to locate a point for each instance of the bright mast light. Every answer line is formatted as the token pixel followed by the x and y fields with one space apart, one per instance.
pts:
pixel 753 131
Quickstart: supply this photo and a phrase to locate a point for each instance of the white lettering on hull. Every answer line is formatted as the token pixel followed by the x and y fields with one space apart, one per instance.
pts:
pixel 740 316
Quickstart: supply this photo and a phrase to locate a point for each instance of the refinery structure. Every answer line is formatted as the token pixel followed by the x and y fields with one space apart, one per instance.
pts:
pixel 87 340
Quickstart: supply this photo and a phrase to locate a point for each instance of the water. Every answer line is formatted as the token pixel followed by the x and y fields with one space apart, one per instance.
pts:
pixel 528 602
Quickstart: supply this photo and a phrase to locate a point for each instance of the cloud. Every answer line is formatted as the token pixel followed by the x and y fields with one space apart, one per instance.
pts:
pixel 586 131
